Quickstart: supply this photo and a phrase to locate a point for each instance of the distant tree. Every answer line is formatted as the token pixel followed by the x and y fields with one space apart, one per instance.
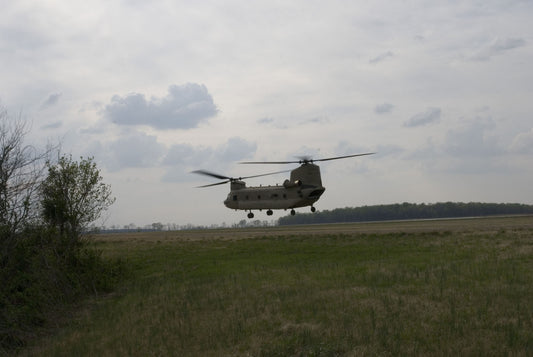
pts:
pixel 73 195
pixel 407 211
pixel 157 226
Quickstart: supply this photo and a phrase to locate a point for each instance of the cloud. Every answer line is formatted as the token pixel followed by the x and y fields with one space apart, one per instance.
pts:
pixel 53 125
pixel 496 47
pixel 265 121
pixel 236 149
pixel 381 57
pixel 136 149
pixel 470 148
pixel 184 107
pixel 187 155
pixel 51 100
pixel 431 115
pixel 182 158
pixel 389 149
pixel 472 139
pixel 315 120
pixel 523 143
pixel 383 108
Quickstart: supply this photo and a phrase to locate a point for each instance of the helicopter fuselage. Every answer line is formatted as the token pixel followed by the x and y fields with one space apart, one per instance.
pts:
pixel 288 195
pixel 303 189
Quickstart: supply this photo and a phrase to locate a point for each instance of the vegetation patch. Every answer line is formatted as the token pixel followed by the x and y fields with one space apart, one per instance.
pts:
pixel 437 293
pixel 46 261
pixel 407 210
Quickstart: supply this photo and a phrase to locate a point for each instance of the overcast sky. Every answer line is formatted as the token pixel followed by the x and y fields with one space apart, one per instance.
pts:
pixel 442 91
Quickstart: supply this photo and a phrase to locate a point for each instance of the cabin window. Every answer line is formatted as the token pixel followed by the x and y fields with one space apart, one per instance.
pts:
pixel 234 197
pixel 285 195
pixel 258 197
pixel 247 198
pixel 274 195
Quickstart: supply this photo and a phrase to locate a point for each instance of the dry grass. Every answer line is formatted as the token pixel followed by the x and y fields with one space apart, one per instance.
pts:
pixel 479 225
pixel 428 288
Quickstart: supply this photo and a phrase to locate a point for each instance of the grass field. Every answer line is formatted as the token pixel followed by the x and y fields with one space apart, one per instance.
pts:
pixel 443 287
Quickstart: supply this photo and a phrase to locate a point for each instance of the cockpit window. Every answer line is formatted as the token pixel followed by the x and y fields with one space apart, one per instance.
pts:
pixel 316 193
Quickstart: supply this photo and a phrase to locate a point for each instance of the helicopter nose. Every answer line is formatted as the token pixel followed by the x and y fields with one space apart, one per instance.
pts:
pixel 231 202
pixel 317 193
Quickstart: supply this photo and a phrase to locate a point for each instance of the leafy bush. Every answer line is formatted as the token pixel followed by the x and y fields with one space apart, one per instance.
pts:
pixel 41 275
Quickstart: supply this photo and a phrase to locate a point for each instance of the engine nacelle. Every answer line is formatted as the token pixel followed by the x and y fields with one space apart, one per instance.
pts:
pixel 289 184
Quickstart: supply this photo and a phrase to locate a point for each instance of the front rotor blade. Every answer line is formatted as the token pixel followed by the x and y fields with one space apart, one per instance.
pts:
pixel 214 184
pixel 212 174
pixel 269 162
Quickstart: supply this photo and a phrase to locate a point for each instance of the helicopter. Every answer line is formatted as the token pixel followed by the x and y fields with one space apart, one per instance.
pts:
pixel 303 188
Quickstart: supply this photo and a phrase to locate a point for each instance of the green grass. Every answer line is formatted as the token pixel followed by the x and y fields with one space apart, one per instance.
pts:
pixel 431 293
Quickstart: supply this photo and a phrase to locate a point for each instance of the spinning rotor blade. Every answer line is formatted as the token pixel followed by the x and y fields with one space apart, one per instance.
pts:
pixel 343 157
pixel 214 184
pixel 230 179
pixel 268 174
pixel 270 162
pixel 305 159
pixel 212 174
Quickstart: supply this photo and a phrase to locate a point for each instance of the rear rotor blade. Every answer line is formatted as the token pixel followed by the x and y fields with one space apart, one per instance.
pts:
pixel 268 174
pixel 305 159
pixel 343 157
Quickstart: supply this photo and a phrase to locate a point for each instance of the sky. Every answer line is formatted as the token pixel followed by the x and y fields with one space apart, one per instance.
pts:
pixel 441 91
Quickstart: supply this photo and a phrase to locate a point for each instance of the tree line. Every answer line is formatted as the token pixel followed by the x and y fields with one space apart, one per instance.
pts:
pixel 47 202
pixel 407 211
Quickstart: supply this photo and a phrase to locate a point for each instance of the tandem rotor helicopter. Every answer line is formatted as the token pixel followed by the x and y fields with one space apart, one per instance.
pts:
pixel 303 188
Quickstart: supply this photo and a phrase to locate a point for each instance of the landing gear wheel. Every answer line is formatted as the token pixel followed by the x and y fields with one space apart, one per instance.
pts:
pixel 313 209
pixel 293 212
pixel 269 212
pixel 250 215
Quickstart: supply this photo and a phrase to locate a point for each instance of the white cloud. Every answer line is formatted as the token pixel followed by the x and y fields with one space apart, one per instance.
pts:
pixel 55 125
pixel 381 57
pixel 431 115
pixel 236 149
pixel 523 143
pixel 265 121
pixel 51 100
pixel 184 107
pixel 473 138
pixel 471 147
pixel 291 77
pixel 181 159
pixel 132 150
pixel 496 47
pixel 383 108
pixel 187 155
